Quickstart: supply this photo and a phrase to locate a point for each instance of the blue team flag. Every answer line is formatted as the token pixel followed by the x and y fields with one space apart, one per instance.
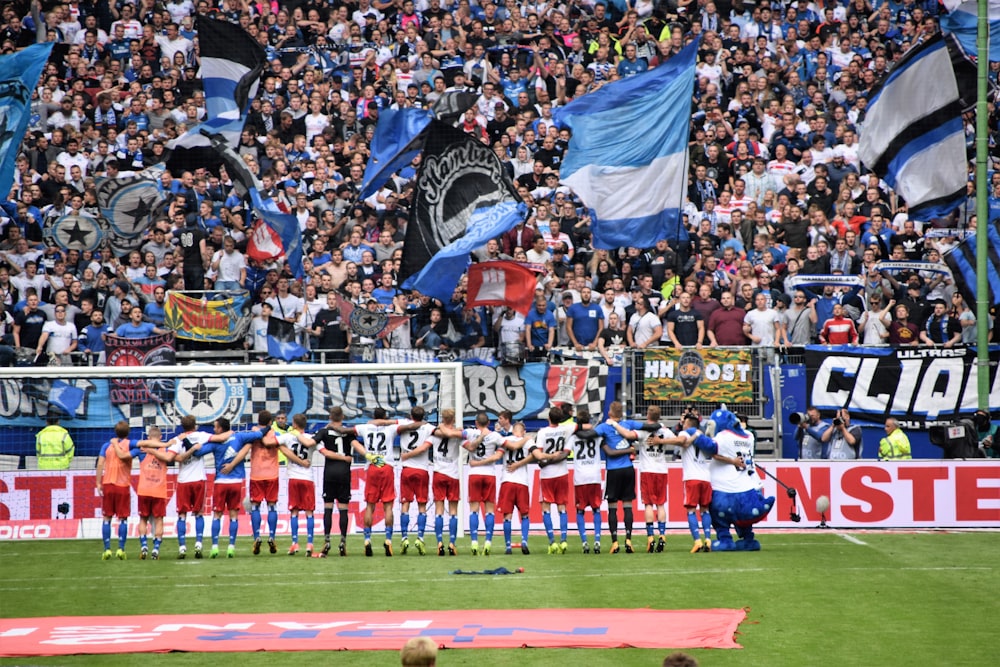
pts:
pixel 19 73
pixel 285 225
pixel 627 159
pixel 439 277
pixel 231 64
pixel 962 262
pixel 281 342
pixel 64 397
pixel 961 19
pixel 398 138
pixel 918 140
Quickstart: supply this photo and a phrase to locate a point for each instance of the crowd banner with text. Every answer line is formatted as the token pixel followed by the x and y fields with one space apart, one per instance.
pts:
pixel 213 317
pixel 151 351
pixel 527 391
pixel 921 387
pixel 863 494
pixel 707 375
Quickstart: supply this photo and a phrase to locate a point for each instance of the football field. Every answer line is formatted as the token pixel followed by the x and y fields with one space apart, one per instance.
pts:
pixel 812 598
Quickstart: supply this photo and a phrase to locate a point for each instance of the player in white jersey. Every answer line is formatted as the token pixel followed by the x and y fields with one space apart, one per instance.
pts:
pixel 652 459
pixel 446 444
pixel 296 445
pixel 553 440
pixel 377 438
pixel 414 481
pixel 515 480
pixel 587 488
pixel 736 495
pixel 696 468
pixel 485 450
pixel 191 479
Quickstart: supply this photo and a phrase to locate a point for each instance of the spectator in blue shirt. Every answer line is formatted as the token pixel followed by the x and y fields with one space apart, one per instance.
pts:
pixel 540 325
pixel 584 322
pixel 136 328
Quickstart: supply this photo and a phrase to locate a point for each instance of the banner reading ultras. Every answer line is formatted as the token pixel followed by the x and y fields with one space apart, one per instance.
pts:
pixel 921 387
pixel 709 375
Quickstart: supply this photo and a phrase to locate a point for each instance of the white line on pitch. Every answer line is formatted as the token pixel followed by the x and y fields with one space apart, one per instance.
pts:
pixel 851 539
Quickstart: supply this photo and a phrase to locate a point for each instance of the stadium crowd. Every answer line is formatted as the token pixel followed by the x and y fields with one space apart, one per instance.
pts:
pixel 776 188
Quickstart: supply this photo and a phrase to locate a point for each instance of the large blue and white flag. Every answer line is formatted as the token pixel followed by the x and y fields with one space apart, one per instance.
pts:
pixel 960 21
pixel 627 158
pixel 231 64
pixel 398 138
pixel 916 141
pixel 463 199
pixel 19 74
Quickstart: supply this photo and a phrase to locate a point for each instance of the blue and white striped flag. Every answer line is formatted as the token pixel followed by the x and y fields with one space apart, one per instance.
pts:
pixel 231 64
pixel 627 159
pixel 916 141
pixel 19 74
pixel 960 20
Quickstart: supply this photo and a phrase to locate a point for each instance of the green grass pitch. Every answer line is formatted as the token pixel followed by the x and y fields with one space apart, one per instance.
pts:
pixel 814 598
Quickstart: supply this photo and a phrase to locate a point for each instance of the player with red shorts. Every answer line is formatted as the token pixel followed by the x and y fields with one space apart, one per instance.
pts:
pixel 587 488
pixel 485 450
pixel 415 479
pixel 697 484
pixel 114 472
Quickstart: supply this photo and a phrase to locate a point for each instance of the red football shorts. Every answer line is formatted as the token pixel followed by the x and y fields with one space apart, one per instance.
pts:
pixel 513 495
pixel 482 489
pixel 264 490
pixel 152 507
pixel 191 497
pixel 556 490
pixel 413 484
pixel 227 497
pixel 117 501
pixel 380 485
pixel 697 492
pixel 301 495
pixel 589 495
pixel 653 488
pixel 446 488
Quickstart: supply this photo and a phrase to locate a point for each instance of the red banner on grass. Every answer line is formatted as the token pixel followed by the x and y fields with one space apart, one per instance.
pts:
pixel 350 631
pixel 501 283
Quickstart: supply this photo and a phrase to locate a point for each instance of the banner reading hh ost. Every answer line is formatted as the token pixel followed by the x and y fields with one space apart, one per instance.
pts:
pixel 708 375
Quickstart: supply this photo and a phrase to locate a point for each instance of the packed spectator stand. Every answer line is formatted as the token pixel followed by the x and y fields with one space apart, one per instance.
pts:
pixel 776 189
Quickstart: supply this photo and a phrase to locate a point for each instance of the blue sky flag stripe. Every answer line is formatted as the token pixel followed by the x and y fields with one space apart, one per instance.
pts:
pixel 627 158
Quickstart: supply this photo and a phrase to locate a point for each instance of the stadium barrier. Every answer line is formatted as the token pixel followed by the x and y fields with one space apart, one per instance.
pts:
pixel 910 494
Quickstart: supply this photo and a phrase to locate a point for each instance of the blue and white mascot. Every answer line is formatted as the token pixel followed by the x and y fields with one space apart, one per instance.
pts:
pixel 737 498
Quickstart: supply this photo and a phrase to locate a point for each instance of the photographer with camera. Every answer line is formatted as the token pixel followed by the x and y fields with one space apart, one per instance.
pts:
pixel 986 434
pixel 810 434
pixel 844 438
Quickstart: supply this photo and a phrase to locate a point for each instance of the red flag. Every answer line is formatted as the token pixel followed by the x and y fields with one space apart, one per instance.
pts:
pixel 346 308
pixel 501 283
pixel 264 243
pixel 395 321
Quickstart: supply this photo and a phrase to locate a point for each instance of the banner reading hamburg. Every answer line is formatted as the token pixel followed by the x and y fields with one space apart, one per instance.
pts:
pixel 707 375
